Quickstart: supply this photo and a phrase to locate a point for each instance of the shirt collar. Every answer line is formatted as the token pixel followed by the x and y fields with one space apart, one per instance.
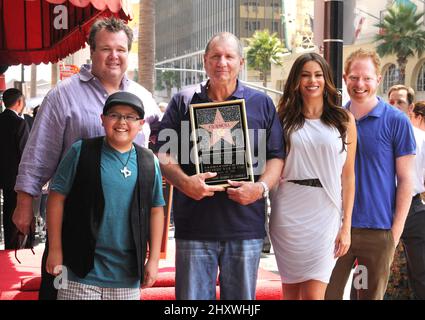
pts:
pixel 237 94
pixel 376 111
pixel 86 75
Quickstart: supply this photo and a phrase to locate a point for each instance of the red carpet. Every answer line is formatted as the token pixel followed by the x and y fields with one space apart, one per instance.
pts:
pixel 11 273
pixel 21 281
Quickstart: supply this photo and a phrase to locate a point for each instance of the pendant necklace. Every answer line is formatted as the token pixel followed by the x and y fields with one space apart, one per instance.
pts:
pixel 126 173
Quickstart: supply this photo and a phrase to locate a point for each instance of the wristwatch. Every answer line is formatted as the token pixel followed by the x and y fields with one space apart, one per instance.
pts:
pixel 266 189
pixel 267 198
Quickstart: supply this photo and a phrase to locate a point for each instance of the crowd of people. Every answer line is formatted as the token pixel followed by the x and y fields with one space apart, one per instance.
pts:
pixel 343 183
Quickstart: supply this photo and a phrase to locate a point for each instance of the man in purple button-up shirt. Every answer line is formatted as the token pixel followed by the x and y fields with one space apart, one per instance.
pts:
pixel 71 111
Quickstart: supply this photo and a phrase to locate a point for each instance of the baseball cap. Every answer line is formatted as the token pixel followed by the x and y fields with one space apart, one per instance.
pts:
pixel 127 99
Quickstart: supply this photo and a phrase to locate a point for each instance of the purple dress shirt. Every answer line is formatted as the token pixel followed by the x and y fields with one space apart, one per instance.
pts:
pixel 70 112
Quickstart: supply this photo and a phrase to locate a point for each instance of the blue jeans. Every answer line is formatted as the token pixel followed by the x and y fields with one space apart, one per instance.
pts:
pixel 198 262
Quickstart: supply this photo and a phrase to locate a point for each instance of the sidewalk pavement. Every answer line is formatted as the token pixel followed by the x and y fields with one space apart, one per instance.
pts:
pixel 267 260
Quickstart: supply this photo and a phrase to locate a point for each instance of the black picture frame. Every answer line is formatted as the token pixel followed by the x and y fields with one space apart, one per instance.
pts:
pixel 221 141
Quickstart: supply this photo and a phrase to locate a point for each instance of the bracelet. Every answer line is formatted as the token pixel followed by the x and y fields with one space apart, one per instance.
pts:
pixel 266 197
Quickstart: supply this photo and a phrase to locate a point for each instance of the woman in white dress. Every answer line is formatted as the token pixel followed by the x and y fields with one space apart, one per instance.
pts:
pixel 311 207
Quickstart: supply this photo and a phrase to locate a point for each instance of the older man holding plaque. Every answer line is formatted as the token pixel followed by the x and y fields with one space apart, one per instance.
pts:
pixel 219 228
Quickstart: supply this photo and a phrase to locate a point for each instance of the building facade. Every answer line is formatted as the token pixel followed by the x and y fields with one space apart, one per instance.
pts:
pixel 367 15
pixel 184 27
pixel 371 13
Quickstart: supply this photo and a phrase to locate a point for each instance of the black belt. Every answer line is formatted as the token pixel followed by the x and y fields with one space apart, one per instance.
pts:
pixel 308 182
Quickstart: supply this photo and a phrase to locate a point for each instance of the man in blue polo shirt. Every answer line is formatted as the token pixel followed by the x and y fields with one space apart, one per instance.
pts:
pixel 385 151
pixel 218 229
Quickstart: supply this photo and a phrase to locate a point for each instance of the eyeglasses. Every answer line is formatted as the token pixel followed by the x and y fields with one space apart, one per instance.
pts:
pixel 21 242
pixel 127 117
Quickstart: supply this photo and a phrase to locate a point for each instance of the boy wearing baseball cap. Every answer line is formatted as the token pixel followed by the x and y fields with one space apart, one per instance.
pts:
pixel 104 207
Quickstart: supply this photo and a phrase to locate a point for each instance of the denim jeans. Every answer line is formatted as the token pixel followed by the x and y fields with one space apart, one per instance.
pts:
pixel 198 262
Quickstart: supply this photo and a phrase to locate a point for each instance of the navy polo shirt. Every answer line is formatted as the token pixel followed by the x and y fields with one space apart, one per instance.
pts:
pixel 383 135
pixel 218 217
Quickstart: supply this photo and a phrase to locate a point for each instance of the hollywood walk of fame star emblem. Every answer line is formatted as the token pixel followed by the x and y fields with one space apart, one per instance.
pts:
pixel 220 129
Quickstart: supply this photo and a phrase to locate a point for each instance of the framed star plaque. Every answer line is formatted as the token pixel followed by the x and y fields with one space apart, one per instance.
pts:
pixel 221 141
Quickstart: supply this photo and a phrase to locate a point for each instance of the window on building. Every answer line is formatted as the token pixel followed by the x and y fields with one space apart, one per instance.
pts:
pixel 420 82
pixel 390 77
pixel 251 5
pixel 252 25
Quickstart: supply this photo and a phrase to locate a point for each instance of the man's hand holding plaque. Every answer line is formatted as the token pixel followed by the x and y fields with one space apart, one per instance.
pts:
pixel 243 192
pixel 196 188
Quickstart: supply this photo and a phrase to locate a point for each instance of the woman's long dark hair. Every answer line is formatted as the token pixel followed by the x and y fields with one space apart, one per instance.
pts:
pixel 290 107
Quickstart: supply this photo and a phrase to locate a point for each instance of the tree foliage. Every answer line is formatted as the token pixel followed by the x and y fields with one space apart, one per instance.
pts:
pixel 401 34
pixel 167 80
pixel 264 48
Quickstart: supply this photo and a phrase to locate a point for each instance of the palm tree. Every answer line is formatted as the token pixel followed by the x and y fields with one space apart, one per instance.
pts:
pixel 167 80
pixel 55 75
pixel 146 50
pixel 33 85
pixel 401 34
pixel 264 48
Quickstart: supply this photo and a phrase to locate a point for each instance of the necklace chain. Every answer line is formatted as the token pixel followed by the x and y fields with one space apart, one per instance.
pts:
pixel 128 159
pixel 126 173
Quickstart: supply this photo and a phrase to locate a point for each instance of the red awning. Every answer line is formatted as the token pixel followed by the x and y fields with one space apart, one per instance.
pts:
pixel 35 31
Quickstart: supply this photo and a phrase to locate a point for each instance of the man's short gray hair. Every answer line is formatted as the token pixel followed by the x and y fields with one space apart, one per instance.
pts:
pixel 225 36
pixel 111 24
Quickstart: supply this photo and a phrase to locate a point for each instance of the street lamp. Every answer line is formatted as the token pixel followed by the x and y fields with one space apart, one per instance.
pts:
pixel 334 23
